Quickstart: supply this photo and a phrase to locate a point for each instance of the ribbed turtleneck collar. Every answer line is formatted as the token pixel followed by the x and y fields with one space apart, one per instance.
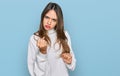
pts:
pixel 51 31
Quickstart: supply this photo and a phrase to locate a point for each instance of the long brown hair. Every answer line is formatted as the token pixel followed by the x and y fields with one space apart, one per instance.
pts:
pixel 61 37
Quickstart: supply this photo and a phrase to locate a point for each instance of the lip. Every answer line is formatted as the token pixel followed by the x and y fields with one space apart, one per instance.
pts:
pixel 47 26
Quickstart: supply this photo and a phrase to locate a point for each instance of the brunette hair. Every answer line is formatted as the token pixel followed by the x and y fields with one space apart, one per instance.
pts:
pixel 59 28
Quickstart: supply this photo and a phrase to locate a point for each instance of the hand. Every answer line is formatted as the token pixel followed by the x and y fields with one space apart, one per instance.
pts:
pixel 67 58
pixel 42 45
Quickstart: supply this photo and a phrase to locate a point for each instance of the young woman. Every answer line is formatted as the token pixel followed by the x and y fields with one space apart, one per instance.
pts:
pixel 49 50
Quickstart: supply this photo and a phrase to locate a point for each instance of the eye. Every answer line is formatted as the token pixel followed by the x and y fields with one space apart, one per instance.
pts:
pixel 46 17
pixel 54 20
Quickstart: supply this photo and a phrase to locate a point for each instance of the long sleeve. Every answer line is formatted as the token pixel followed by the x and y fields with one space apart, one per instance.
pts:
pixel 73 64
pixel 32 57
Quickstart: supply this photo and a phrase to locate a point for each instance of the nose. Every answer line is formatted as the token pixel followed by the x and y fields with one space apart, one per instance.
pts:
pixel 49 21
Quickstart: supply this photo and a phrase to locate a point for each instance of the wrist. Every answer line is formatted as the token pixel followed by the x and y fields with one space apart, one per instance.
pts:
pixel 43 50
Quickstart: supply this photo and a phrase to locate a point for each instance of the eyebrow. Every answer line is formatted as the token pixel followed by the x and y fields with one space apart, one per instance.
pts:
pixel 51 18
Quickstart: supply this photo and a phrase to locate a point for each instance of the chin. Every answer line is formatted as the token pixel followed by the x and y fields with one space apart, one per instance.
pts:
pixel 47 29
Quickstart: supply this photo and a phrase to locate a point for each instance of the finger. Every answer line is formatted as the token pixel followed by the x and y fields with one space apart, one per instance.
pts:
pixel 43 38
pixel 68 54
pixel 62 55
pixel 40 43
pixel 66 61
pixel 65 55
pixel 70 60
pixel 45 43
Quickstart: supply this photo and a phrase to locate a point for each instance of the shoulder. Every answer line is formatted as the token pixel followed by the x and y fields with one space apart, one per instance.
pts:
pixel 66 33
pixel 68 37
pixel 34 38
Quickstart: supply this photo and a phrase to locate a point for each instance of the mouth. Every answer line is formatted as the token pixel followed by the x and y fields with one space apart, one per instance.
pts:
pixel 47 26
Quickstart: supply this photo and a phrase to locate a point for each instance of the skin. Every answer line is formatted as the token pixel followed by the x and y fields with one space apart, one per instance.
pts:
pixel 49 22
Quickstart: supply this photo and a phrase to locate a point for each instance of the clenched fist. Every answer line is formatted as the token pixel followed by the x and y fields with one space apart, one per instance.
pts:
pixel 42 45
pixel 67 58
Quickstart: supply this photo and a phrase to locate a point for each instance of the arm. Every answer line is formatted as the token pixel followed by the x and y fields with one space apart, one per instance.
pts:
pixel 73 63
pixel 32 55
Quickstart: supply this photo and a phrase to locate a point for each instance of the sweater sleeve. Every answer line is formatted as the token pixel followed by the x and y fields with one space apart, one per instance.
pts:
pixel 32 55
pixel 73 64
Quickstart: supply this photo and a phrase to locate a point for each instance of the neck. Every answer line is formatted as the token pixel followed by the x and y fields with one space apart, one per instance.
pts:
pixel 51 31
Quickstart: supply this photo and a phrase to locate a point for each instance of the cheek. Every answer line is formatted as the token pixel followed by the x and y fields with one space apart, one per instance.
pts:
pixel 44 22
pixel 54 24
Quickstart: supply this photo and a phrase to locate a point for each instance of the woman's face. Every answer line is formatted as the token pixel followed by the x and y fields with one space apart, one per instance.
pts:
pixel 50 20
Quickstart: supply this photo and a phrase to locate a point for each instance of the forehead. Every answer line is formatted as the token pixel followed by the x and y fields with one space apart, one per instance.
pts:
pixel 51 14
